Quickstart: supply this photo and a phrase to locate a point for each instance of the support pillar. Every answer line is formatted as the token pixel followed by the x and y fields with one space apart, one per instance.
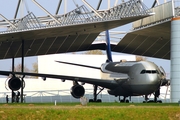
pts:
pixel 22 69
pixel 175 60
pixel 12 92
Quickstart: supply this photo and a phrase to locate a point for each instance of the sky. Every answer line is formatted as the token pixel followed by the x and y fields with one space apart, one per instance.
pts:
pixel 8 7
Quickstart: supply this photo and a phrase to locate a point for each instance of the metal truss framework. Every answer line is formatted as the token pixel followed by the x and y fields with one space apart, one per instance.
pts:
pixel 24 31
pixel 80 15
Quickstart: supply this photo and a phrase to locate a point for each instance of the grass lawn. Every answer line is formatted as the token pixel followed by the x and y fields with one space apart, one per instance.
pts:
pixel 93 111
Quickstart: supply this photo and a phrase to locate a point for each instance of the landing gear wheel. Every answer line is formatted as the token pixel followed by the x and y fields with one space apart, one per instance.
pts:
pixel 91 100
pixel 98 100
pixel 124 100
pixel 127 101
pixel 159 101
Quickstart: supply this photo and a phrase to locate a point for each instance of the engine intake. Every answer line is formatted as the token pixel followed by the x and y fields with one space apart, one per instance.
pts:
pixel 14 83
pixel 77 91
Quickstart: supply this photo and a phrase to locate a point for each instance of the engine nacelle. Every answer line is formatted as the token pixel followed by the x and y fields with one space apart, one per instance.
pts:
pixel 77 91
pixel 14 83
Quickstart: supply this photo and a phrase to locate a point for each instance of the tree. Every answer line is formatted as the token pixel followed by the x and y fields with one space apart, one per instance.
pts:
pixel 35 67
pixel 94 52
pixel 18 68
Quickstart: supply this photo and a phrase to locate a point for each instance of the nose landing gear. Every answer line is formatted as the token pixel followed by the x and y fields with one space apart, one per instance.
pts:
pixel 156 95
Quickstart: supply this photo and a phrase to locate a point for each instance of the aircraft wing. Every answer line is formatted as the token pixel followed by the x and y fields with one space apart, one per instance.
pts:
pixel 110 84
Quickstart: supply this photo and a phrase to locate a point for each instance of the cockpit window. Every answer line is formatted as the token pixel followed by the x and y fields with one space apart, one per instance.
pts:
pixel 149 72
pixel 154 71
pixel 143 71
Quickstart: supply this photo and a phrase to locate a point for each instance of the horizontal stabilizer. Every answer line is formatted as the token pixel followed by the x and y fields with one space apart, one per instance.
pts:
pixel 79 65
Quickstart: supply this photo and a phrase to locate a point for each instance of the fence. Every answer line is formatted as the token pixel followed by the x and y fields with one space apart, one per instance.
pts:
pixel 61 96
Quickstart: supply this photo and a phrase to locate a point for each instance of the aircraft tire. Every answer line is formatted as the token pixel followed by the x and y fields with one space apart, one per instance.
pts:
pixel 91 100
pixel 122 101
pixel 159 101
pixel 98 100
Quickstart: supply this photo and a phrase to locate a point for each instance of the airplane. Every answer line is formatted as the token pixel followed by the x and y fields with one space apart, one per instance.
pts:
pixel 122 78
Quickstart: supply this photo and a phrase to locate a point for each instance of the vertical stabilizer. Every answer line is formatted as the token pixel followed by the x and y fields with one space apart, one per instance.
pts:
pixel 108 47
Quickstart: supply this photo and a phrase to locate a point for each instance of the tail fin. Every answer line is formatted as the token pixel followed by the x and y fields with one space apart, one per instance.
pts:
pixel 108 47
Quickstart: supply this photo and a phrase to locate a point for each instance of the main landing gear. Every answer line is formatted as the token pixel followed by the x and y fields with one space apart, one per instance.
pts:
pixel 95 94
pixel 124 100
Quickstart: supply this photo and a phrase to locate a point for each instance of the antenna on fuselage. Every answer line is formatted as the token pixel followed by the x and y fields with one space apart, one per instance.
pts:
pixel 108 47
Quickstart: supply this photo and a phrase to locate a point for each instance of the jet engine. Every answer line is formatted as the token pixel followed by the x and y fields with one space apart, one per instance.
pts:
pixel 77 91
pixel 14 83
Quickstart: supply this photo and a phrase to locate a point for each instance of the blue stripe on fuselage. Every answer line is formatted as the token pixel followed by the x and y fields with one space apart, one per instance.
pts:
pixel 108 49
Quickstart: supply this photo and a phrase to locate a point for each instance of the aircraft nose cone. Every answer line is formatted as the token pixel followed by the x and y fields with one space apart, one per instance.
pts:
pixel 154 79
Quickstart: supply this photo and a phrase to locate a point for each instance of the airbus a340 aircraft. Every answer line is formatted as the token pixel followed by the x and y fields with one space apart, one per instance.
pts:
pixel 123 78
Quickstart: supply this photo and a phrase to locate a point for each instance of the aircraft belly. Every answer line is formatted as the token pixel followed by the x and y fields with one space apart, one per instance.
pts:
pixel 143 89
pixel 133 90
pixel 119 91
